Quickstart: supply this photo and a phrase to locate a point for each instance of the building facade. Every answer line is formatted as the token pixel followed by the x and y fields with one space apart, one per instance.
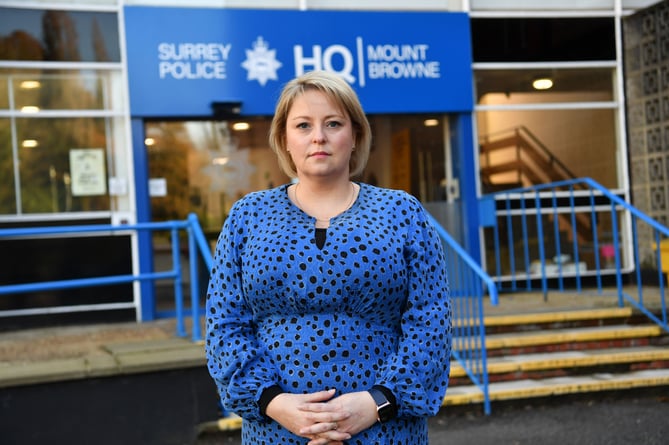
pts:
pixel 126 111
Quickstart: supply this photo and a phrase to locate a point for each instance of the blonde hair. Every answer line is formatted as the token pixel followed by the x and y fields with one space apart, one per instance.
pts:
pixel 341 93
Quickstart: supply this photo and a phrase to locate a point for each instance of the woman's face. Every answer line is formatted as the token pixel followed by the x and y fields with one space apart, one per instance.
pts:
pixel 320 137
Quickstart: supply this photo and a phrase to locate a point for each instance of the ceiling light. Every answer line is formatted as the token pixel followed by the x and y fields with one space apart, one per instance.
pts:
pixel 29 143
pixel 241 126
pixel 220 161
pixel 542 83
pixel 30 84
pixel 430 122
pixel 149 142
pixel 29 109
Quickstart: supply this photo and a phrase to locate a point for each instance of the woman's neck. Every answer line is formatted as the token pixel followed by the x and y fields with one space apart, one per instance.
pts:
pixel 323 202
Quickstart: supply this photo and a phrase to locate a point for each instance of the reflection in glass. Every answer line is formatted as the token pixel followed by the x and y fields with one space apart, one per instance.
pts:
pixel 412 149
pixel 207 166
pixel 510 86
pixel 4 97
pixel 523 148
pixel 68 36
pixel 7 189
pixel 72 91
pixel 45 169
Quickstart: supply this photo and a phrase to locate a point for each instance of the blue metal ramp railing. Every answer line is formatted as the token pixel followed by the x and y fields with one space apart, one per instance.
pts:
pixel 577 235
pixel 197 246
pixel 468 285
pixel 467 281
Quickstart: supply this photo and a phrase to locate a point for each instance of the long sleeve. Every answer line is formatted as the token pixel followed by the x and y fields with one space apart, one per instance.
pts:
pixel 418 372
pixel 239 365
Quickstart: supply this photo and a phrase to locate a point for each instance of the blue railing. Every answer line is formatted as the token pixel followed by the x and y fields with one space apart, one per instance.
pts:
pixel 468 285
pixel 579 236
pixel 467 281
pixel 197 246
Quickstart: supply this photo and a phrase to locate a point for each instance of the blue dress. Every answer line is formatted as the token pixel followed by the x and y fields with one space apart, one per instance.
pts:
pixel 369 307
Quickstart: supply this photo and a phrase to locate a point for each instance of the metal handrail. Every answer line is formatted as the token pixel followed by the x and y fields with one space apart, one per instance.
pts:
pixel 538 209
pixel 468 284
pixel 196 238
pixel 197 245
pixel 527 142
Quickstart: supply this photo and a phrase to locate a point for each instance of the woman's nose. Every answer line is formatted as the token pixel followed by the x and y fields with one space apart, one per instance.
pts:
pixel 319 135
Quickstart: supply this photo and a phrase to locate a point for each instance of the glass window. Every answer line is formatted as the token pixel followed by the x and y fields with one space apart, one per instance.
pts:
pixel 68 36
pixel 67 90
pixel 7 194
pixel 62 164
pixel 71 91
pixel 409 153
pixel 518 86
pixel 4 89
pixel 206 166
pixel 40 167
pixel 525 138
pixel 543 39
pixel 527 147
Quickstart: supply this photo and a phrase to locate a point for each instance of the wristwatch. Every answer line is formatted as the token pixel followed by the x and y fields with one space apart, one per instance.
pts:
pixel 384 409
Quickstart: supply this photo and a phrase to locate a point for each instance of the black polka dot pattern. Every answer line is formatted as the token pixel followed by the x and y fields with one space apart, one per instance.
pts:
pixel 370 307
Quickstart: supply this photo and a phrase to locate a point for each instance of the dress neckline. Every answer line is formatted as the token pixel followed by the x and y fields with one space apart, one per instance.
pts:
pixel 337 218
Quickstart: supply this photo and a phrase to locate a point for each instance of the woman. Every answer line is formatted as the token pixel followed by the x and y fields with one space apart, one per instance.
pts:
pixel 328 314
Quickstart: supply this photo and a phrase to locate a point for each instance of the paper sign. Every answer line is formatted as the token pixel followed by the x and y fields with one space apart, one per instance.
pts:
pixel 87 171
pixel 157 187
pixel 118 186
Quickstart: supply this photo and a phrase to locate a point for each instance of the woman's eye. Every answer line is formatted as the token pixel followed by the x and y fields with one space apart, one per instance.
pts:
pixel 333 124
pixel 303 125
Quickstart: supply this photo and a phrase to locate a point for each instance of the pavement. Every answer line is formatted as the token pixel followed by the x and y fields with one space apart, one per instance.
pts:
pixel 617 418
pixel 633 417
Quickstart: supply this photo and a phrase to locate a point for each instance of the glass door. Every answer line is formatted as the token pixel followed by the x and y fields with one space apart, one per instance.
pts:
pixel 202 167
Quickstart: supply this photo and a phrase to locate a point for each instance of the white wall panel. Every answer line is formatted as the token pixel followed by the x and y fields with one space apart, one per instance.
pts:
pixel 246 4
pixel 639 4
pixel 418 5
pixel 543 5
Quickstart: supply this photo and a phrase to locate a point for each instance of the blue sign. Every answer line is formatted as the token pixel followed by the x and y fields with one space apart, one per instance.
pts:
pixel 181 60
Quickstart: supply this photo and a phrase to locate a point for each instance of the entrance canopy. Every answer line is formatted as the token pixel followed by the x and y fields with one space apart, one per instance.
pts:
pixel 191 62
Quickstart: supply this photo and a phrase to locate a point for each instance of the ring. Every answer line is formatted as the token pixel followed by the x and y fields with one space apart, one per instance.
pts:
pixel 335 426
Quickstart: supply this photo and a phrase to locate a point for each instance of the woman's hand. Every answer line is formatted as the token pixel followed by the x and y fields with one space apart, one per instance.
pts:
pixel 310 416
pixel 361 414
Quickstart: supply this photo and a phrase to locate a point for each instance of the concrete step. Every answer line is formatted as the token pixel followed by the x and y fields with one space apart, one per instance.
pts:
pixel 523 363
pixel 112 359
pixel 557 317
pixel 550 317
pixel 525 389
pixel 558 336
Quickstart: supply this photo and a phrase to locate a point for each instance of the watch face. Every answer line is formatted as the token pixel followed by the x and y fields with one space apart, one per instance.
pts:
pixel 385 411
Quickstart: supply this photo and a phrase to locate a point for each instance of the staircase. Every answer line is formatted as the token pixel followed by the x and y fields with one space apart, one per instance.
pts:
pixel 569 351
pixel 517 158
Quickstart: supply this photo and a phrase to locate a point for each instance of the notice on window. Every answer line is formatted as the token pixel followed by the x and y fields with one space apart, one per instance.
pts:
pixel 87 171
pixel 157 187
